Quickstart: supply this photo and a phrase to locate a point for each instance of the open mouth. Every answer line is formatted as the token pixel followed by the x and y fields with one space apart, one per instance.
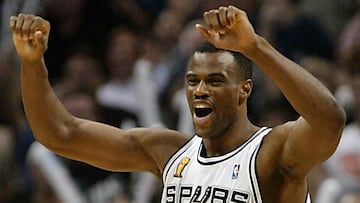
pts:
pixel 202 112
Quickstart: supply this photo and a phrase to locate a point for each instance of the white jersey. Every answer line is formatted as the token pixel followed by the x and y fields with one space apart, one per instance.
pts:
pixel 190 177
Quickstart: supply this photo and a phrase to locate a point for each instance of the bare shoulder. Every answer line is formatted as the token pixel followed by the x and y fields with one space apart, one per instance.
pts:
pixel 273 143
pixel 159 143
pixel 273 146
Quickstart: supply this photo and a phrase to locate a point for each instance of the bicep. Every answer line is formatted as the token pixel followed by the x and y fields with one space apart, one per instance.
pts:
pixel 306 146
pixel 114 149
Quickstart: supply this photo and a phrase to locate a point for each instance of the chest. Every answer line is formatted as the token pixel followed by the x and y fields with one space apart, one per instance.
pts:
pixel 230 178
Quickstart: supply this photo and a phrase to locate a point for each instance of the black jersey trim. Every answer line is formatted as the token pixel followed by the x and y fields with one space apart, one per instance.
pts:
pixel 250 173
pixel 253 165
pixel 254 156
pixel 218 159
pixel 308 195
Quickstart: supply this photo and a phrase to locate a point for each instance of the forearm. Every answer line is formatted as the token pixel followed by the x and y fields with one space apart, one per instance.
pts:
pixel 46 115
pixel 309 97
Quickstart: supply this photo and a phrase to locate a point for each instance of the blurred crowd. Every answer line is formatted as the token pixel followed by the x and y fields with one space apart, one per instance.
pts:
pixel 122 62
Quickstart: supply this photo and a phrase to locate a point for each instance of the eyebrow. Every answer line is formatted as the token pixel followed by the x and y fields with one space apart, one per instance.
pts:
pixel 217 74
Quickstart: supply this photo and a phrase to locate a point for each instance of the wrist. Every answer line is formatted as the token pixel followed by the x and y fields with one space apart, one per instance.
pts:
pixel 32 62
pixel 262 53
pixel 253 47
pixel 35 68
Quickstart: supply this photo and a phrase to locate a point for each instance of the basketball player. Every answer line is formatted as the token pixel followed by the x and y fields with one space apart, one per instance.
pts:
pixel 229 159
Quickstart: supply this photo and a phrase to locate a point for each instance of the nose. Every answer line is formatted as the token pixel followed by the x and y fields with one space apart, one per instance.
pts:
pixel 201 91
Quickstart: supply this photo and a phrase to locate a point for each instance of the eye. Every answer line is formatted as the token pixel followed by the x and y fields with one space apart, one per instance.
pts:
pixel 216 81
pixel 192 81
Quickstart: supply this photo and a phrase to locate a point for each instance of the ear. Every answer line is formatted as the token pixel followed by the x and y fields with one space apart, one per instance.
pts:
pixel 245 90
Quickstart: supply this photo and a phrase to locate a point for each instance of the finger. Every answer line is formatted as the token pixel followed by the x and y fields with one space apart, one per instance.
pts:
pixel 206 17
pixel 19 22
pixel 214 19
pixel 12 23
pixel 223 16
pixel 204 32
pixel 234 14
pixel 29 19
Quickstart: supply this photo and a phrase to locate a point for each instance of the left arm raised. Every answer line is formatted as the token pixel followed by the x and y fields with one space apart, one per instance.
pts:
pixel 314 136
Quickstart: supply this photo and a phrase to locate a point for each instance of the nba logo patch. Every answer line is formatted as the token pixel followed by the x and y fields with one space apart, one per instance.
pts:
pixel 235 172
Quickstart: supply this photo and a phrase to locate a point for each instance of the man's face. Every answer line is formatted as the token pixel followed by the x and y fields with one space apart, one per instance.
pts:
pixel 212 92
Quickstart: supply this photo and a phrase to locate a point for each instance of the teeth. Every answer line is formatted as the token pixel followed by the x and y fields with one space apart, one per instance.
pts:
pixel 202 106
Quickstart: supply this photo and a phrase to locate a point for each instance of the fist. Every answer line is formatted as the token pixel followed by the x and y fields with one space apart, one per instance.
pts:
pixel 228 28
pixel 30 36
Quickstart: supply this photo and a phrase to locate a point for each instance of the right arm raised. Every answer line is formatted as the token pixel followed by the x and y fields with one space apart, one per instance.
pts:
pixel 107 147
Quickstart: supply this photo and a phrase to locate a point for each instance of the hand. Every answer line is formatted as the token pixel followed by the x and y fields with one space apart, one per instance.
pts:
pixel 30 36
pixel 228 28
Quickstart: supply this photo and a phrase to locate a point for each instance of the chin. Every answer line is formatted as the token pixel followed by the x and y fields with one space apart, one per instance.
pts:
pixel 205 133
pixel 200 133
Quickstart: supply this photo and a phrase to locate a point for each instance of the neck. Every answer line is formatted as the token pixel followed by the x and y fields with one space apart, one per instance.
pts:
pixel 232 138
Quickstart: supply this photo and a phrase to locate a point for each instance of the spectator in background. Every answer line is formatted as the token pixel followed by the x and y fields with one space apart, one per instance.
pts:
pixel 292 32
pixel 82 71
pixel 71 29
pixel 11 123
pixel 10 99
pixel 118 95
pixel 332 14
pixel 350 196
pixel 347 58
pixel 165 31
pixel 10 7
pixel 348 50
pixel 323 69
pixel 8 172
pixel 343 167
pixel 182 8
pixel 130 13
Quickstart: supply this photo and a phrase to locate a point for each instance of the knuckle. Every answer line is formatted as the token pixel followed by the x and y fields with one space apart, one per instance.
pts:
pixel 38 19
pixel 28 16
pixel 213 12
pixel 206 14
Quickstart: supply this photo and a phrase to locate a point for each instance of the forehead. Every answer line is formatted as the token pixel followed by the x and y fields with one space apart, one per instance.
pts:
pixel 217 61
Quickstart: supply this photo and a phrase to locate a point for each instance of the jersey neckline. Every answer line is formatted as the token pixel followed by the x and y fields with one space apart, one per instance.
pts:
pixel 216 159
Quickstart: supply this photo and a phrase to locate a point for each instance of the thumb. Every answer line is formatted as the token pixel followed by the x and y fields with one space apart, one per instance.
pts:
pixel 204 32
pixel 40 38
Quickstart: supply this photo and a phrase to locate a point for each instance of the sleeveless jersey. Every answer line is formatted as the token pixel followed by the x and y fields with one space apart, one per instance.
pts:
pixel 190 177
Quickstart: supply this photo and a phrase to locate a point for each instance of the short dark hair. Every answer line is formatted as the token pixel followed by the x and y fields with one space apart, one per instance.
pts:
pixel 243 63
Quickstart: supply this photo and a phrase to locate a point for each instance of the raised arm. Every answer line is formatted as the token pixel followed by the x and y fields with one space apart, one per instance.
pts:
pixel 315 135
pixel 95 143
